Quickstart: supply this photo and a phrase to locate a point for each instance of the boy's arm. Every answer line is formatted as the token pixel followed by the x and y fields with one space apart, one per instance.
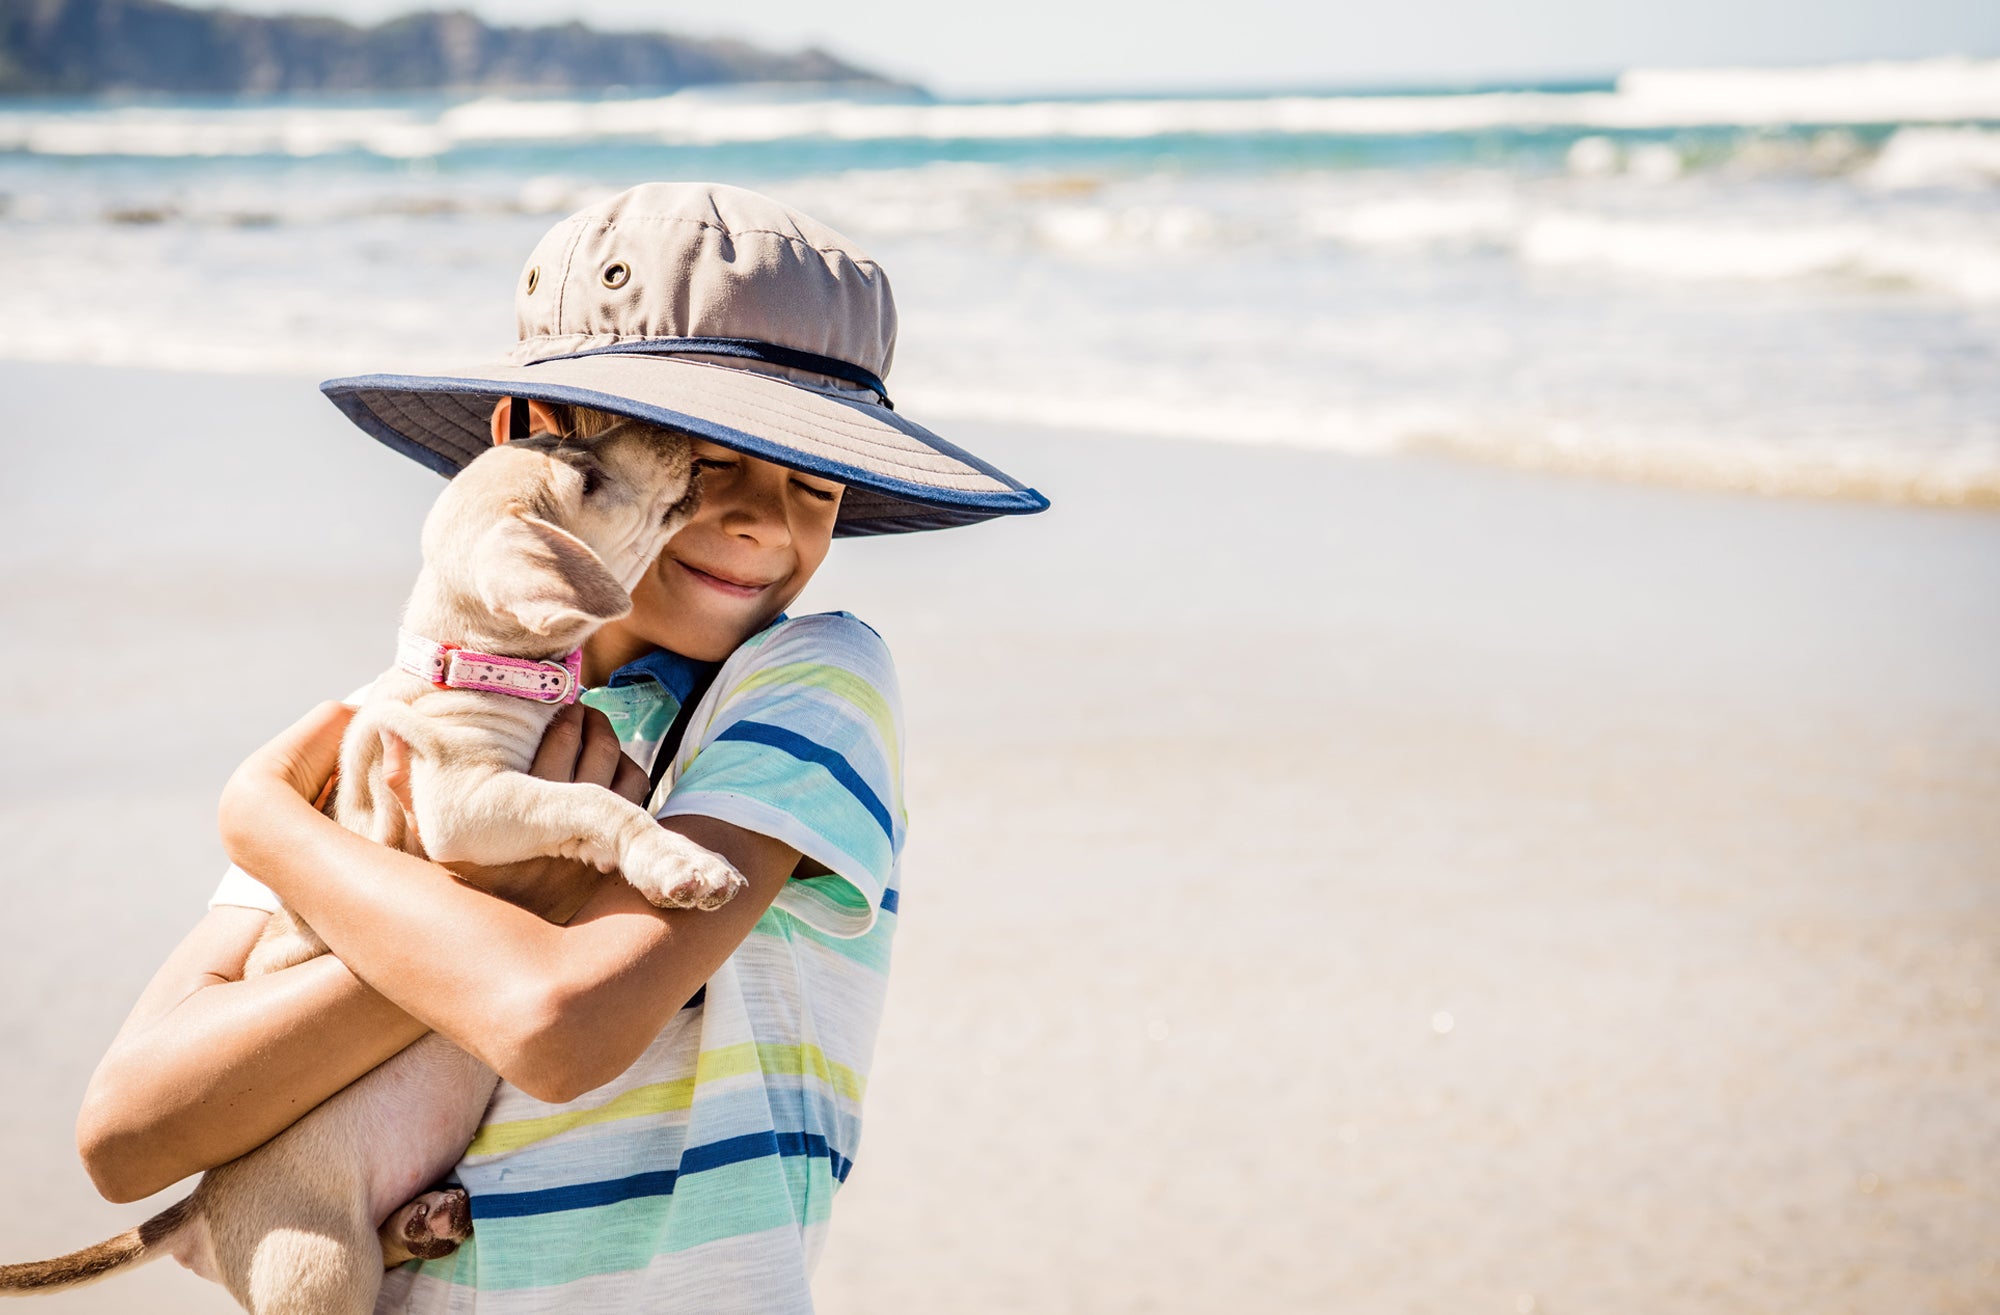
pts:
pixel 208 1066
pixel 556 1010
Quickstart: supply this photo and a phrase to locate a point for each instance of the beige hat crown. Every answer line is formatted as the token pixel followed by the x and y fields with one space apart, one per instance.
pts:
pixel 666 260
pixel 721 313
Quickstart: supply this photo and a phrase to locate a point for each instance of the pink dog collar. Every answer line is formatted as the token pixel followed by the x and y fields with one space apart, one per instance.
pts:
pixel 448 666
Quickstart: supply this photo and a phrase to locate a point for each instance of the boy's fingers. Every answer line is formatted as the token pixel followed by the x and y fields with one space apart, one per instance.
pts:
pixel 305 754
pixel 597 763
pixel 396 769
pixel 396 775
pixel 555 759
pixel 631 781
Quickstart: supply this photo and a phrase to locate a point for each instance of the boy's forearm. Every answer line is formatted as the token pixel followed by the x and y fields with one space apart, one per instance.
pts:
pixel 405 923
pixel 555 1010
pixel 228 1067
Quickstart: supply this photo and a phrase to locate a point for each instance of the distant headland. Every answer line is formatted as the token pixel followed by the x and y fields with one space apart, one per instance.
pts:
pixel 84 46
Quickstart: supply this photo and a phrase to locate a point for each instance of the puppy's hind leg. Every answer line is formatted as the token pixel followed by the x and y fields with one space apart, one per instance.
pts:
pixel 427 1228
pixel 303 1269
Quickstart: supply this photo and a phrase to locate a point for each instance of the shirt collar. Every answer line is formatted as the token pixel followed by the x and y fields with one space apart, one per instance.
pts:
pixel 676 675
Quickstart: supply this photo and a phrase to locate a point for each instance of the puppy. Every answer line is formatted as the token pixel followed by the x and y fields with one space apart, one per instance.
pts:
pixel 531 548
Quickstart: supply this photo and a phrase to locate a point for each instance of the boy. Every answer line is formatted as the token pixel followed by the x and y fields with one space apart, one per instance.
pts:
pixel 681 1090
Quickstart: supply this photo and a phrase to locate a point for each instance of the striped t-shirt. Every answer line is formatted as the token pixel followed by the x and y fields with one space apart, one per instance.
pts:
pixel 701 1178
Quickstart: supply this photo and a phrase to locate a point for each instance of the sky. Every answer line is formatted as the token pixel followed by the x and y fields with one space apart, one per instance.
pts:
pixel 1175 45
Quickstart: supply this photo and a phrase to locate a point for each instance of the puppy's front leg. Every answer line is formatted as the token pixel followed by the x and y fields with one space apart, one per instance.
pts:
pixel 478 813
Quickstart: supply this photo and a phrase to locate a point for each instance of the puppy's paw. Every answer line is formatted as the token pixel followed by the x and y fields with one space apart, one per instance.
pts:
pixel 673 872
pixel 427 1228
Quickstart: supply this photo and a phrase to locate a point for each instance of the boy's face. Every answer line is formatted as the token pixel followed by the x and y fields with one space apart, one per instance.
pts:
pixel 760 532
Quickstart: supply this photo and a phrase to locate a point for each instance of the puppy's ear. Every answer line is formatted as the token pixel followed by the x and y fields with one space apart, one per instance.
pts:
pixel 543 577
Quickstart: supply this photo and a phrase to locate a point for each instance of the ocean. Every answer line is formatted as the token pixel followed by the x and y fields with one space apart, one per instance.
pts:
pixel 1783 281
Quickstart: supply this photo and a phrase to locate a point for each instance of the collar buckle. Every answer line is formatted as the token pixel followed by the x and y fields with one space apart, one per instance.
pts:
pixel 568 682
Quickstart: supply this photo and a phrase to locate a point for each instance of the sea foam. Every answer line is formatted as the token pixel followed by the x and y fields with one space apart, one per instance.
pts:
pixel 1938 157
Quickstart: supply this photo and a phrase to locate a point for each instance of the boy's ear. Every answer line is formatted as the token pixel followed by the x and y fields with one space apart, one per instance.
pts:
pixel 541 420
pixel 543 577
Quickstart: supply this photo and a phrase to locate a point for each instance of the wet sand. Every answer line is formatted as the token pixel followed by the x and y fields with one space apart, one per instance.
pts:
pixel 1334 884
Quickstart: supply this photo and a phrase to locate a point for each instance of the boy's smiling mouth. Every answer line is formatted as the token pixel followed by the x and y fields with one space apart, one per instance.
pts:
pixel 734 588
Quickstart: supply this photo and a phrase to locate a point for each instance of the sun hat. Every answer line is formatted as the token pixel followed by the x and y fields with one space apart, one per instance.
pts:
pixel 722 313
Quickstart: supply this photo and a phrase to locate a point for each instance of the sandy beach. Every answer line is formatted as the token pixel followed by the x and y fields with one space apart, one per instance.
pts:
pixel 1335 883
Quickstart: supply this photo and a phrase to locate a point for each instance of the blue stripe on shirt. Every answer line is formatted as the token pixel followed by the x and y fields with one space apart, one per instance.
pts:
pixel 805 750
pixel 714 1155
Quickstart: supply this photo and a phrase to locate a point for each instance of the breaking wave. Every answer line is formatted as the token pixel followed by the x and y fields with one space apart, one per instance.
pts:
pixel 1959 259
pixel 1744 251
pixel 1926 91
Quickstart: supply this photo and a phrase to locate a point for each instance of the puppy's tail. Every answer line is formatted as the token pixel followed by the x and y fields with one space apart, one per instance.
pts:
pixel 134 1246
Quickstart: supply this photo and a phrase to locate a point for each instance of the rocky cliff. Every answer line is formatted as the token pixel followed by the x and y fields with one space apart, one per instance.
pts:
pixel 65 46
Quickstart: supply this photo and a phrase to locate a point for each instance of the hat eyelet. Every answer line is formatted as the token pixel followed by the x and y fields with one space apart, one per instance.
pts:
pixel 616 275
pixel 534 279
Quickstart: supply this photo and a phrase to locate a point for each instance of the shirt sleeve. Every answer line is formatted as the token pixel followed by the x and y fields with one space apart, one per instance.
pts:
pixel 238 889
pixel 242 891
pixel 801 739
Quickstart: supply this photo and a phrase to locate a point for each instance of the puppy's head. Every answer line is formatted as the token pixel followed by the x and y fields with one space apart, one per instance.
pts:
pixel 540 540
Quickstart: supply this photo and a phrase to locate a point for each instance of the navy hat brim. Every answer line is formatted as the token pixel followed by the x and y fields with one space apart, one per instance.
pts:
pixel 899 476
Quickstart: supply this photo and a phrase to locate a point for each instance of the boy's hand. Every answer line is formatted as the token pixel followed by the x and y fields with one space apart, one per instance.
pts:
pixel 579 746
pixel 302 759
